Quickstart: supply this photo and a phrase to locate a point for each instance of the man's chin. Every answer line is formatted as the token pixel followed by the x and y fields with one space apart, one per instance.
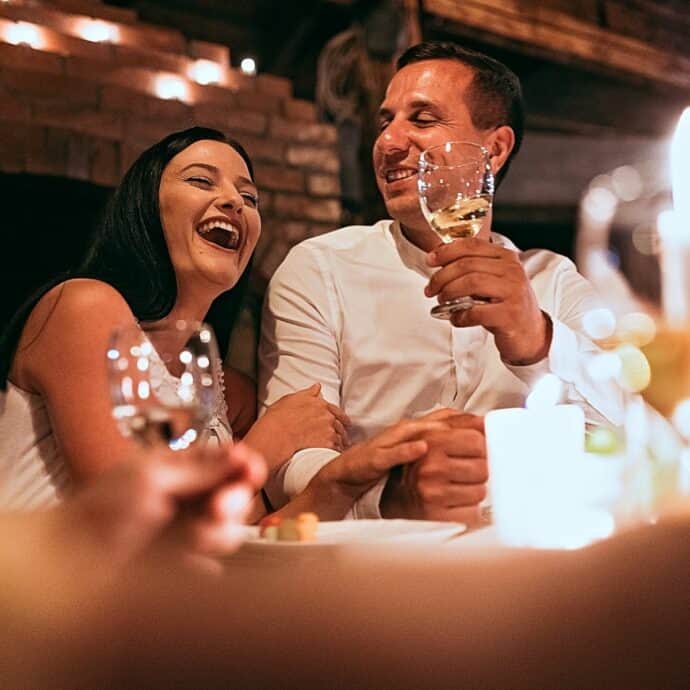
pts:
pixel 405 212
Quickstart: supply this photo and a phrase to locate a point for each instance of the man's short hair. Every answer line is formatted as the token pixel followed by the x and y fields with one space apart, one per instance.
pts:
pixel 494 97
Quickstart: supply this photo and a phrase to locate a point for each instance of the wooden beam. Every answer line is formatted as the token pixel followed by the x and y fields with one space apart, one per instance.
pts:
pixel 565 36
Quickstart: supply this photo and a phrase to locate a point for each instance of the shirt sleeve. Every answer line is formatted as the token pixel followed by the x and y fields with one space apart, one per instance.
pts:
pixel 297 348
pixel 572 296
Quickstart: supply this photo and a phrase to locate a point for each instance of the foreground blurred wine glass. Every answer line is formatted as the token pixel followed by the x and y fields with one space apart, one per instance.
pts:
pixel 456 188
pixel 163 382
pixel 620 248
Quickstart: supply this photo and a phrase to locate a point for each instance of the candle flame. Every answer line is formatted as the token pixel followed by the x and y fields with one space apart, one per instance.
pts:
pixel 680 169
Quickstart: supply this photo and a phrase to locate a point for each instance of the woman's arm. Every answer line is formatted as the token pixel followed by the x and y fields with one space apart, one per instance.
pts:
pixel 61 356
pixel 296 421
pixel 240 398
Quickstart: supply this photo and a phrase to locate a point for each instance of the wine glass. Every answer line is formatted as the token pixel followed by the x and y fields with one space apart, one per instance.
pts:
pixel 456 188
pixel 622 249
pixel 163 381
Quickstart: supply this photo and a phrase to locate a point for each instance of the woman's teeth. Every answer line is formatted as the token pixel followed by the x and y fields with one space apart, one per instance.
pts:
pixel 223 234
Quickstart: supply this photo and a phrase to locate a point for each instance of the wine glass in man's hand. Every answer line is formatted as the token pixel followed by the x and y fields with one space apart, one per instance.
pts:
pixel 456 189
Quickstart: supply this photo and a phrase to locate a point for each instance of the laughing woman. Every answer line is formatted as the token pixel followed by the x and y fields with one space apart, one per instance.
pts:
pixel 177 236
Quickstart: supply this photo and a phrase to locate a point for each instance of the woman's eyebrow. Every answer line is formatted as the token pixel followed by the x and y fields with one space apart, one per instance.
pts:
pixel 206 166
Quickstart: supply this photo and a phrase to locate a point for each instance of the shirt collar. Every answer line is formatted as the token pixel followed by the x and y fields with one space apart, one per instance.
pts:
pixel 412 256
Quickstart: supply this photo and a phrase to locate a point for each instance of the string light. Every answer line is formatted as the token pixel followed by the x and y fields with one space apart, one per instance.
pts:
pixel 248 66
pixel 170 87
pixel 97 31
pixel 205 72
pixel 23 33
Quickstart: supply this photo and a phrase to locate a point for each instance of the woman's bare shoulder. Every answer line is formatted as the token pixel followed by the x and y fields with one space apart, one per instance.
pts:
pixel 79 301
pixel 69 315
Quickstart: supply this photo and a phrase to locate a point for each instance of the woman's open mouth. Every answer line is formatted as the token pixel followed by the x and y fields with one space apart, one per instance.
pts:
pixel 221 233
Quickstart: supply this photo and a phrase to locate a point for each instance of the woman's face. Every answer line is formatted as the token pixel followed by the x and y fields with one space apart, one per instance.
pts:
pixel 209 213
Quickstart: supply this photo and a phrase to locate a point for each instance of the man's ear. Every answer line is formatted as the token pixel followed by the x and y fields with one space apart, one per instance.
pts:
pixel 500 143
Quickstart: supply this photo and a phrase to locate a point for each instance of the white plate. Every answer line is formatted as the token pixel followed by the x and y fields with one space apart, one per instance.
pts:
pixel 368 532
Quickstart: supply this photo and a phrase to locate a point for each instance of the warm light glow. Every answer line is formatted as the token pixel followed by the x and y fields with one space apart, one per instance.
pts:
pixel 248 66
pixel 143 390
pixel 645 239
pixel 599 324
pixel 127 387
pixel 546 393
pixel 185 393
pixel 23 33
pixel 143 363
pixel 170 87
pixel 203 362
pixel 675 241
pixel 636 328
pixel 205 72
pixel 187 379
pixel 97 31
pixel 635 373
pixel 184 441
pixel 684 472
pixel 626 182
pixel 681 418
pixel 600 203
pixel 668 226
pixel 680 170
pixel 185 356
pixel 605 366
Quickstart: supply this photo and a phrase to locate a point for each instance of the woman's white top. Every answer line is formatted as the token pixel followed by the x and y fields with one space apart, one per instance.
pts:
pixel 33 472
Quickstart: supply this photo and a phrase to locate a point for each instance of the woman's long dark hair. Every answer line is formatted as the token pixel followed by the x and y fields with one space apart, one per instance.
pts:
pixel 129 250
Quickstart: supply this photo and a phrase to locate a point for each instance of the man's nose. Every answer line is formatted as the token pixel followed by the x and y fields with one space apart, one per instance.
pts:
pixel 394 138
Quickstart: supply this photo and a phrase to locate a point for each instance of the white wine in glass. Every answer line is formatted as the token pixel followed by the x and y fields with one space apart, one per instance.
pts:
pixel 464 218
pixel 163 382
pixel 456 187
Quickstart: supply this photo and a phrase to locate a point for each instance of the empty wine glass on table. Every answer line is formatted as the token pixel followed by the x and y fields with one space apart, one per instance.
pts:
pixel 164 382
pixel 456 188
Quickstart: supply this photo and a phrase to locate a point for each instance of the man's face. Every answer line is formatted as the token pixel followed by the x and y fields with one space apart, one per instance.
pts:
pixel 424 106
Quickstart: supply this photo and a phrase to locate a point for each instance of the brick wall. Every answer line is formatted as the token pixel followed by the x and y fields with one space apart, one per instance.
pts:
pixel 84 110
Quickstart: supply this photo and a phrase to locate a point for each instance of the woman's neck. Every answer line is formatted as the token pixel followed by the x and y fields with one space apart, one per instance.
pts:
pixel 188 310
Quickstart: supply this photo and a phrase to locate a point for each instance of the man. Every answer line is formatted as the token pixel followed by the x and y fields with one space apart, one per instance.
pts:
pixel 350 309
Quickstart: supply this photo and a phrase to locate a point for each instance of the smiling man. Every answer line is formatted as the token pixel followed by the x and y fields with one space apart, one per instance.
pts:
pixel 350 309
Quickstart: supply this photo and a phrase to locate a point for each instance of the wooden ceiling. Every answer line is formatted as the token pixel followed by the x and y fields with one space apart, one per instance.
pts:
pixel 604 80
pixel 576 57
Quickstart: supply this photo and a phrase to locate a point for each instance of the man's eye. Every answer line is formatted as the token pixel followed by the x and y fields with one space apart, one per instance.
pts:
pixel 250 199
pixel 383 124
pixel 425 120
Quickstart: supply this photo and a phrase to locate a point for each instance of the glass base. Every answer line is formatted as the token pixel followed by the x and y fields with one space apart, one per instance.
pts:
pixel 444 310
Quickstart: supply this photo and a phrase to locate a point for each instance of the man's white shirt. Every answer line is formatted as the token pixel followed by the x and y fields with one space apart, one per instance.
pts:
pixel 347 309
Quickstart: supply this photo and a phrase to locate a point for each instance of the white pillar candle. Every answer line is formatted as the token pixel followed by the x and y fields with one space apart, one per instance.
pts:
pixel 534 459
pixel 674 231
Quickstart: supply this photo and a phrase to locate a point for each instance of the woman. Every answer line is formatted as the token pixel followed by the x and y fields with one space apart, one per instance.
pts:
pixel 178 233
